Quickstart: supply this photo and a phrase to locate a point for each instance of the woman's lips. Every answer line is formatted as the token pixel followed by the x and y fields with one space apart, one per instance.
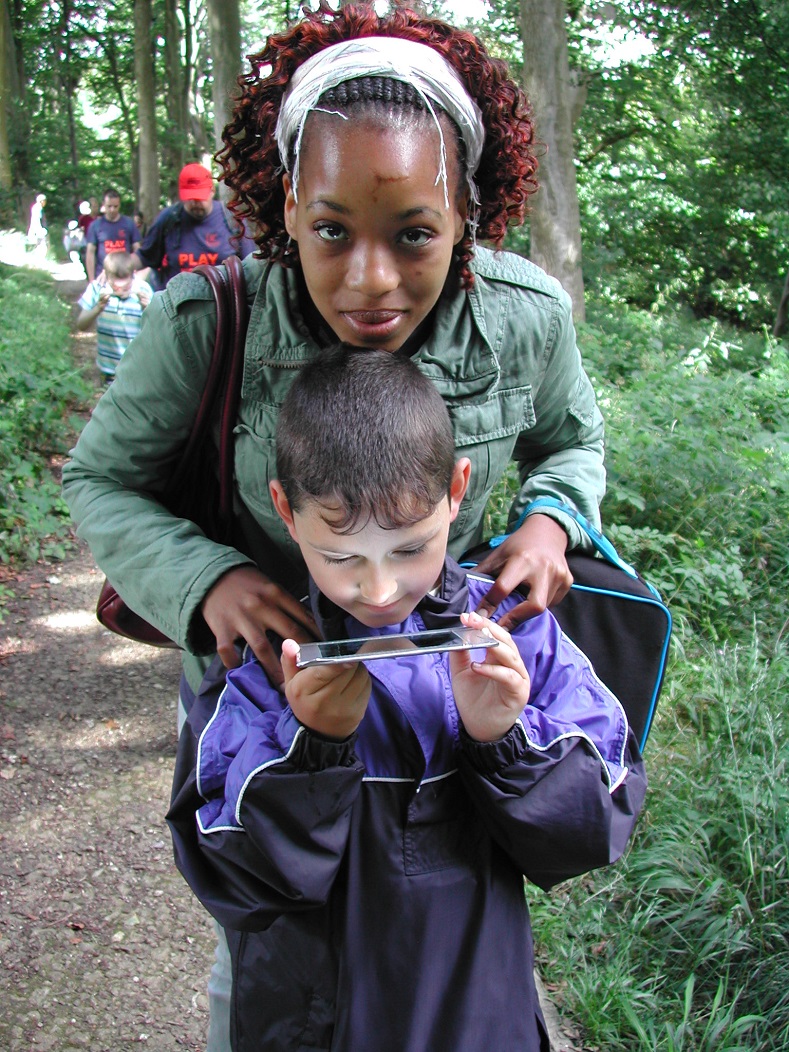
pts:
pixel 373 324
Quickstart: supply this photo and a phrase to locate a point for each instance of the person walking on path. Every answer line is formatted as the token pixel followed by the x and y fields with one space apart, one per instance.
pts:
pixel 370 155
pixel 37 233
pixel 115 302
pixel 110 232
pixel 196 230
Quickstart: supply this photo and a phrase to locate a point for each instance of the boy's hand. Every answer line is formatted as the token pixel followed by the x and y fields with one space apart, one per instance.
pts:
pixel 490 695
pixel 143 295
pixel 105 292
pixel 328 699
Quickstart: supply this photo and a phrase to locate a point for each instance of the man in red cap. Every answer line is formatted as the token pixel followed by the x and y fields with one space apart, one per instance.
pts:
pixel 197 229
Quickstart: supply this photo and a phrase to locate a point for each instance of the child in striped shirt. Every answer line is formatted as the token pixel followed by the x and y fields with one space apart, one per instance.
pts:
pixel 115 301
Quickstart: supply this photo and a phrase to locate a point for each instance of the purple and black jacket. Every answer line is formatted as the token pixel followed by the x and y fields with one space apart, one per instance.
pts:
pixel 372 889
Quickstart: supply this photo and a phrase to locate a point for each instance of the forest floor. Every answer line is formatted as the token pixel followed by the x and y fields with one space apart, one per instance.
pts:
pixel 102 945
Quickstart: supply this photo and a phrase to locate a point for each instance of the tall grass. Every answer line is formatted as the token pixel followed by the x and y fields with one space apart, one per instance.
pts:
pixel 684 945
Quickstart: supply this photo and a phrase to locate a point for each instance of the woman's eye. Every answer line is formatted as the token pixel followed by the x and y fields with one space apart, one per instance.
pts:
pixel 416 238
pixel 330 232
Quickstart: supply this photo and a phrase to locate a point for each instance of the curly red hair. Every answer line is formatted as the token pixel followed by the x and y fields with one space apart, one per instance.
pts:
pixel 251 161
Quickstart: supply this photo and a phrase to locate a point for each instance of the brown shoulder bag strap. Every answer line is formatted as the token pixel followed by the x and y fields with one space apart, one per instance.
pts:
pixel 223 380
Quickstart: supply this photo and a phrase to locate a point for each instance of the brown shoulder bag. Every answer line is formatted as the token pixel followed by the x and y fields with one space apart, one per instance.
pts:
pixel 190 493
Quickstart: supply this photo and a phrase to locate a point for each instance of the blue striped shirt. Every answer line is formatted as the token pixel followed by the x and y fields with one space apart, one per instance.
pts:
pixel 117 325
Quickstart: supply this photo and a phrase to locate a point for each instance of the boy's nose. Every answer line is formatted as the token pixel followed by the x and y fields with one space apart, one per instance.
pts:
pixel 377 588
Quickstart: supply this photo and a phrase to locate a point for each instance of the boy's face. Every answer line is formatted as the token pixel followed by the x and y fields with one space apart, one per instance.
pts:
pixel 121 287
pixel 378 576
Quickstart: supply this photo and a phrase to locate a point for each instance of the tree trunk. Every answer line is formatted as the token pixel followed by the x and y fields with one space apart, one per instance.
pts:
pixel 198 141
pixel 17 115
pixel 68 86
pixel 555 217
pixel 224 33
pixel 111 53
pixel 6 95
pixel 174 149
pixel 783 307
pixel 149 197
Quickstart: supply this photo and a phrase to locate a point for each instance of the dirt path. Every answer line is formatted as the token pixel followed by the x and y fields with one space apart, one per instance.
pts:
pixel 102 946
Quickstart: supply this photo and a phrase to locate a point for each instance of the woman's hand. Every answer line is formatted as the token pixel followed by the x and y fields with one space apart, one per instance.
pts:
pixel 328 699
pixel 533 559
pixel 490 695
pixel 244 604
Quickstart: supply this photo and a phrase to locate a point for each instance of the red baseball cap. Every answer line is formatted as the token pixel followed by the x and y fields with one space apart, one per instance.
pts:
pixel 195 183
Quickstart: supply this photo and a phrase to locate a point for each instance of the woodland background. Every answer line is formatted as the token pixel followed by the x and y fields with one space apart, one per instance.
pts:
pixel 667 171
pixel 664 210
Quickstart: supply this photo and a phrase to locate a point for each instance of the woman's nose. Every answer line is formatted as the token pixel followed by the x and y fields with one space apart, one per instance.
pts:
pixel 372 270
pixel 377 587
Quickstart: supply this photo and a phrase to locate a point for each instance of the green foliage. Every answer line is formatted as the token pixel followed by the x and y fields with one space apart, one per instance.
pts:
pixel 38 388
pixel 683 157
pixel 682 946
pixel 697 434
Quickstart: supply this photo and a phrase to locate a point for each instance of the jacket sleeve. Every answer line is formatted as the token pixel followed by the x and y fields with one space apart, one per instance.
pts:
pixel 261 820
pixel 163 566
pixel 562 791
pixel 562 456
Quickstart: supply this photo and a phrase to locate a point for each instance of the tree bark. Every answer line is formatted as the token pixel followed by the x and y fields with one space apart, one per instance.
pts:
pixel 16 113
pixel 783 308
pixel 174 149
pixel 111 52
pixel 6 95
pixel 224 32
pixel 149 195
pixel 555 217
pixel 68 84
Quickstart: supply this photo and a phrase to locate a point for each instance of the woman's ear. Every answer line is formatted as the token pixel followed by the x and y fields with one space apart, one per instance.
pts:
pixel 282 507
pixel 290 206
pixel 458 486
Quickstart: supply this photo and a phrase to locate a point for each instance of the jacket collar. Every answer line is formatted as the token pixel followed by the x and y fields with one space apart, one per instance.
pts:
pixel 457 355
pixel 436 611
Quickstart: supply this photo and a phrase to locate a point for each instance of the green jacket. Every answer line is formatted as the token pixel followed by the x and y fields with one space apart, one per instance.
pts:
pixel 503 356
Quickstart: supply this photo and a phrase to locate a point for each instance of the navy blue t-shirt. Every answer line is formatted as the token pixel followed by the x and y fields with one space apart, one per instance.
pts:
pixel 178 242
pixel 118 236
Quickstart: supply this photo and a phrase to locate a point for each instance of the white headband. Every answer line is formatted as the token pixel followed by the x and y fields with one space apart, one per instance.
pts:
pixel 424 68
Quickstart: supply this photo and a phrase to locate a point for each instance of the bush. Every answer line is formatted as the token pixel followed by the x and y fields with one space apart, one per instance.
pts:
pixel 681 947
pixel 697 436
pixel 39 387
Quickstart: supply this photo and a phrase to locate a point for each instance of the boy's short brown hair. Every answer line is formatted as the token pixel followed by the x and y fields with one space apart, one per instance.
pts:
pixel 118 265
pixel 365 430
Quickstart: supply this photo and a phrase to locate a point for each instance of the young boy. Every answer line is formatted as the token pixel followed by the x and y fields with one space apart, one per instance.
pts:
pixel 363 832
pixel 115 301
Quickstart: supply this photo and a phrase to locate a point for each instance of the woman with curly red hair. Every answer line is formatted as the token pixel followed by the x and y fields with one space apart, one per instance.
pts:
pixel 370 155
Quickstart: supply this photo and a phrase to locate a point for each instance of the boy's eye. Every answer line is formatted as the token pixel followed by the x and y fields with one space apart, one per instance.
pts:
pixel 408 552
pixel 330 232
pixel 416 238
pixel 337 562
